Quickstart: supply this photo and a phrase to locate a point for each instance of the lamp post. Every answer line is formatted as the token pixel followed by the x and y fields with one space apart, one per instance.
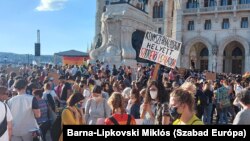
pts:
pixel 5 60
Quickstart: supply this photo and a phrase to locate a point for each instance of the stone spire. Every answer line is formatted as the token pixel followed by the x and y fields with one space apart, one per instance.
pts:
pixel 215 47
pixel 100 4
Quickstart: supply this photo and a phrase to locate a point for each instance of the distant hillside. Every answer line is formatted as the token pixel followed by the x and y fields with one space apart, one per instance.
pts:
pixel 13 58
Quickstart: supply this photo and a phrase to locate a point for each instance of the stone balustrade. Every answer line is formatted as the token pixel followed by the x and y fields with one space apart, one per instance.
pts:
pixel 228 8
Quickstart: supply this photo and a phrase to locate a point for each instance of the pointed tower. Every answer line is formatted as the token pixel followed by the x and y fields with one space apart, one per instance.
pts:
pixel 100 5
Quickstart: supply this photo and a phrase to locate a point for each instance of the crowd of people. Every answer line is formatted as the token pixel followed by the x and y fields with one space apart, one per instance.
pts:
pixel 98 94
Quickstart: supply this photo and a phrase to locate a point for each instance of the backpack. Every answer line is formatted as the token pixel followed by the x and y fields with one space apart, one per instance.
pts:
pixel 3 125
pixel 51 102
pixel 56 128
pixel 116 122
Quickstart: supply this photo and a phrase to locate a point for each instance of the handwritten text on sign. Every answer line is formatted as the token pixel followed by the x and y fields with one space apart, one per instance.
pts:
pixel 160 49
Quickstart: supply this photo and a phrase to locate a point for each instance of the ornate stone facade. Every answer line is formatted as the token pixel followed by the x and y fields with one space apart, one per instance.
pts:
pixel 119 22
pixel 215 33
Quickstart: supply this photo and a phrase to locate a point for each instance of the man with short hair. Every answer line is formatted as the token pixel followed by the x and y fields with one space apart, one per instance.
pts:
pixel 24 109
pixel 242 117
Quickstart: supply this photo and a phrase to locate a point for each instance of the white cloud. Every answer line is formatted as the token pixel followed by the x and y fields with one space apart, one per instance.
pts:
pixel 51 5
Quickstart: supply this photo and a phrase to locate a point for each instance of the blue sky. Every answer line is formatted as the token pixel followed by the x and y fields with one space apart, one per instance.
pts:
pixel 64 25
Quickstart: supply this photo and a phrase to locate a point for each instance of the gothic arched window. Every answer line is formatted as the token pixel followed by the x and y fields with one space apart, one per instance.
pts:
pixel 204 52
pixel 237 52
pixel 160 15
pixel 155 10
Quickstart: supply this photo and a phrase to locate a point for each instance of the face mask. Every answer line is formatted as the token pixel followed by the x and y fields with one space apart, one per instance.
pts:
pixel 174 113
pixel 153 94
pixel 97 98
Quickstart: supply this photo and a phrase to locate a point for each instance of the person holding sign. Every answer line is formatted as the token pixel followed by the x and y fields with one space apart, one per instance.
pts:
pixel 154 110
pixel 182 106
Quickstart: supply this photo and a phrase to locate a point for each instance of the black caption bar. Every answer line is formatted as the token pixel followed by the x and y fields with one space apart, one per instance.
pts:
pixel 228 132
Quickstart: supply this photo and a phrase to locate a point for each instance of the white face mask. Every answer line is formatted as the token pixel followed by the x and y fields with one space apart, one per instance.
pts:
pixel 153 94
pixel 97 98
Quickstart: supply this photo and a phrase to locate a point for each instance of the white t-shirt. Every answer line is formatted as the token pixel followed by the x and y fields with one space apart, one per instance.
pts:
pixel 238 89
pixel 5 136
pixel 98 82
pixel 53 94
pixel 87 96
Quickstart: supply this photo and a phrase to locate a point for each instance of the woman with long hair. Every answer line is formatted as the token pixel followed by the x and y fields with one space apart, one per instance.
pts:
pixel 119 115
pixel 133 106
pixel 72 114
pixel 96 107
pixel 208 105
pixel 182 106
pixel 154 110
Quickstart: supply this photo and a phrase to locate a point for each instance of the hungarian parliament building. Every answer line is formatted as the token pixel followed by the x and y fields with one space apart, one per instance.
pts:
pixel 215 34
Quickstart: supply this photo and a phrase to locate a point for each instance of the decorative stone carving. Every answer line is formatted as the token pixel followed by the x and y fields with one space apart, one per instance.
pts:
pixel 182 49
pixel 215 50
pixel 113 53
pixel 118 24
pixel 98 41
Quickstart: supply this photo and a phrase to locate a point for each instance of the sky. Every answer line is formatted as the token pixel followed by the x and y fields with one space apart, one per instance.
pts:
pixel 63 25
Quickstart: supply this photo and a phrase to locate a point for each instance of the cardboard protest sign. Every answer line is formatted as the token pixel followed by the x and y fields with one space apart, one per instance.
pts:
pixel 160 49
pixel 55 76
pixel 10 69
pixel 210 76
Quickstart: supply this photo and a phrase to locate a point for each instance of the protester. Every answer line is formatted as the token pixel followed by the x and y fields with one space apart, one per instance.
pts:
pixel 4 94
pixel 208 96
pixel 96 107
pixel 223 103
pixel 154 110
pixel 24 109
pixel 242 118
pixel 5 122
pixel 43 121
pixel 72 114
pixel 133 106
pixel 182 108
pixel 119 116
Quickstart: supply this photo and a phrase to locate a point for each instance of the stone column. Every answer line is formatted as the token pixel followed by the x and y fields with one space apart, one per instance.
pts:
pixel 166 16
pixel 217 2
pixel 219 63
pixel 99 10
pixel 128 53
pixel 247 66
pixel 150 8
pixel 185 61
pixel 177 28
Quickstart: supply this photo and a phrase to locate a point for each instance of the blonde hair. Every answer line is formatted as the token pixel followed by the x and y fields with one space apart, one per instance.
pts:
pixel 206 87
pixel 143 92
pixel 47 86
pixel 116 101
pixel 190 87
pixel 184 97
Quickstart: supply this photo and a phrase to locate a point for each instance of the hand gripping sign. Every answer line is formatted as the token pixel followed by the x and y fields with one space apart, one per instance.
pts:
pixel 160 49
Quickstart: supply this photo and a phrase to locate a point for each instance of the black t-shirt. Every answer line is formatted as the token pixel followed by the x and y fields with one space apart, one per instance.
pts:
pixel 65 88
pixel 10 83
pixel 35 105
